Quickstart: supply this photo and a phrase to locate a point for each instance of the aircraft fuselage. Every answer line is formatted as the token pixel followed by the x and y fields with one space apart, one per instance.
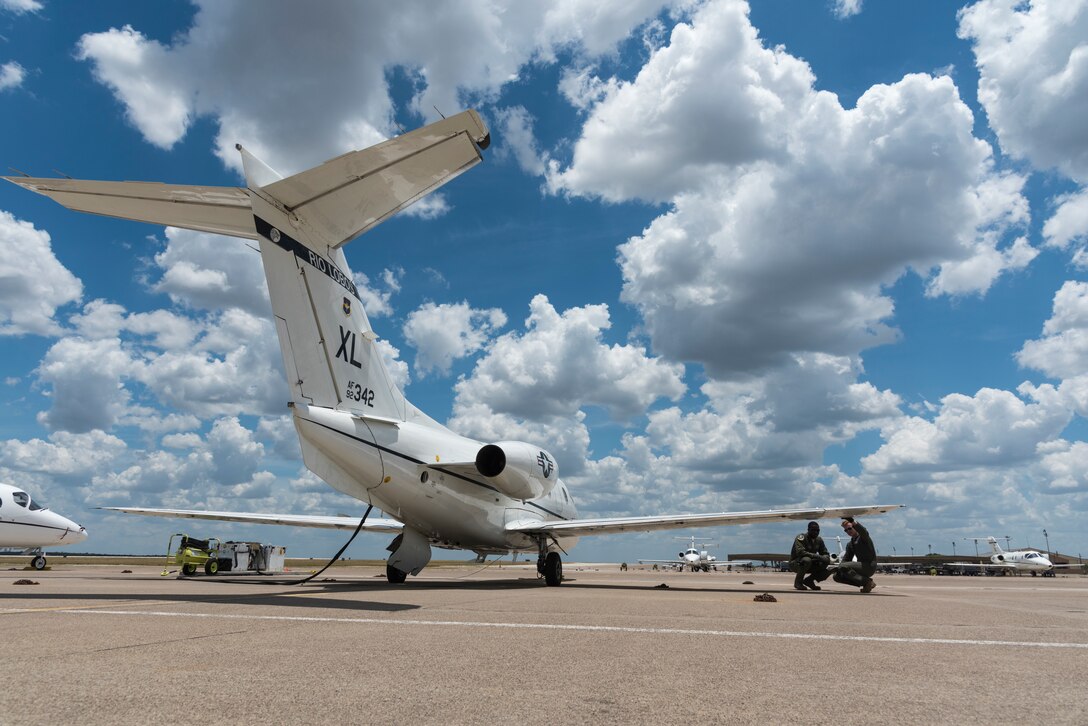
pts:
pixel 398 466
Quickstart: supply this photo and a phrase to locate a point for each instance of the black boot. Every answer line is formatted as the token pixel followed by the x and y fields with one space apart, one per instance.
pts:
pixel 810 583
pixel 797 584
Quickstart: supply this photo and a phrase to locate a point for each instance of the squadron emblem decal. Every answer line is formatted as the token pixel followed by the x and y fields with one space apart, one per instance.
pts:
pixel 546 464
pixel 346 306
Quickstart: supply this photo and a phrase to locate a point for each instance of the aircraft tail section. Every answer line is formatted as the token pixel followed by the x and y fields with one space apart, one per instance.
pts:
pixel 329 350
pixel 995 546
pixel 301 223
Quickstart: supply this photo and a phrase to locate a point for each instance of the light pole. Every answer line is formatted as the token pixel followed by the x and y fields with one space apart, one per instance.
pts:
pixel 912 552
pixel 1047 538
pixel 930 549
pixel 1008 543
pixel 976 546
pixel 953 548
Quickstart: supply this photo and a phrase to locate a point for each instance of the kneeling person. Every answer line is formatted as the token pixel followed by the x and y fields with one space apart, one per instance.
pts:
pixel 858 573
pixel 809 557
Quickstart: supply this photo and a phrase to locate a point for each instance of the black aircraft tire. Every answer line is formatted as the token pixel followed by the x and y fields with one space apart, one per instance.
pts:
pixel 38 563
pixel 553 569
pixel 394 575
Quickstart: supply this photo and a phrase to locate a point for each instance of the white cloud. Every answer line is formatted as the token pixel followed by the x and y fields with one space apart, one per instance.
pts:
pixel 376 300
pixel 788 213
pixel 516 131
pixel 991 429
pixel 142 73
pixel 85 378
pixel 221 67
pixel 210 271
pixel 847 8
pixel 1062 352
pixel 560 364
pixel 11 75
pixel 21 6
pixel 64 454
pixel 33 284
pixel 1033 65
pixel 444 333
pixel 1069 223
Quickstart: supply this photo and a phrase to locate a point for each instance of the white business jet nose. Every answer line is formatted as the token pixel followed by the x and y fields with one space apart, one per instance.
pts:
pixel 73 534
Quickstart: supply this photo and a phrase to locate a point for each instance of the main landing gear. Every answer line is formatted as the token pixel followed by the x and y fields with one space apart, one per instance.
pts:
pixel 38 563
pixel 550 565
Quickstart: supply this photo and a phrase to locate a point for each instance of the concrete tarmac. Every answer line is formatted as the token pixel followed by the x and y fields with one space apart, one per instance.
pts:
pixel 96 645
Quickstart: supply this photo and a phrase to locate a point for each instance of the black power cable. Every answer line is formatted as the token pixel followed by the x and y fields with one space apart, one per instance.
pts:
pixel 337 555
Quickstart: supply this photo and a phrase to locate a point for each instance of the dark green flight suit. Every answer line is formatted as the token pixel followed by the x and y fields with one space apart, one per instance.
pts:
pixel 861 547
pixel 809 556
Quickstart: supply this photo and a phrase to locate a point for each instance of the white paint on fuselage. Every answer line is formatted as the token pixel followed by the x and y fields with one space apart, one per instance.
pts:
pixel 383 463
pixel 24 524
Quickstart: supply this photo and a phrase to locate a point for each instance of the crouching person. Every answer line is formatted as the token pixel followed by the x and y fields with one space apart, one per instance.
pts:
pixel 809 559
pixel 859 560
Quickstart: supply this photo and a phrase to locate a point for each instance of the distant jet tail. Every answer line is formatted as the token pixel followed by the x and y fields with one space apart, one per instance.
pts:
pixel 995 546
pixel 302 223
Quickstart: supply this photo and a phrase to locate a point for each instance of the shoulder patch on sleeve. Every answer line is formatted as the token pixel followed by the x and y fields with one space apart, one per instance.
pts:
pixel 800 537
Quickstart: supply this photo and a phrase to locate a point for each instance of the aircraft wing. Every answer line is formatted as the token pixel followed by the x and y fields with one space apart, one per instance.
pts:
pixel 222 210
pixel 291 520
pixel 612 525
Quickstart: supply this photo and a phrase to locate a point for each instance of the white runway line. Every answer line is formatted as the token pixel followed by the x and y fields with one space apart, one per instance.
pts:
pixel 583 628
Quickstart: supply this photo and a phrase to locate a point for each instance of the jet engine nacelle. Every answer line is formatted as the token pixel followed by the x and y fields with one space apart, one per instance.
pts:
pixel 518 469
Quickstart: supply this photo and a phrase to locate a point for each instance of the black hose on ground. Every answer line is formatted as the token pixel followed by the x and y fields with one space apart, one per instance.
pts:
pixel 337 555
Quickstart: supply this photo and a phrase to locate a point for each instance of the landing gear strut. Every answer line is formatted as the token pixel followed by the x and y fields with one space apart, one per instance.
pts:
pixel 38 563
pixel 550 565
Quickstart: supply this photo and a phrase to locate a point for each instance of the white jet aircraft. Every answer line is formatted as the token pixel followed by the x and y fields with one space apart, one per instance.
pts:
pixel 1016 561
pixel 27 526
pixel 699 560
pixel 358 431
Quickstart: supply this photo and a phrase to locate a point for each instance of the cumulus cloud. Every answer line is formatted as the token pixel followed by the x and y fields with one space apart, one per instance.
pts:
pixel 560 364
pixel 1062 352
pixel 64 454
pixel 11 75
pixel 993 428
pixel 1033 82
pixel 221 66
pixel 33 283
pixel 209 271
pixel 85 384
pixel 788 213
pixel 1068 226
pixel 444 333
pixel 1033 66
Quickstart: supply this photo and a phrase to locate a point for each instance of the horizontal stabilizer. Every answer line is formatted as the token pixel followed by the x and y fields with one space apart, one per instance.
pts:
pixel 346 196
pixel 221 210
pixel 612 525
pixel 290 520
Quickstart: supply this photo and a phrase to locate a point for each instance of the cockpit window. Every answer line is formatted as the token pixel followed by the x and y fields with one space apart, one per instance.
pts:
pixel 1031 555
pixel 23 500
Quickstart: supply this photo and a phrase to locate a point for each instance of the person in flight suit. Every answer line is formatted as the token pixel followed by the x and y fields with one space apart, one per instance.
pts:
pixel 809 557
pixel 858 573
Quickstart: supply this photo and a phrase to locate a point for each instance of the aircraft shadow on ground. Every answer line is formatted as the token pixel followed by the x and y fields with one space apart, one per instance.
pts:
pixel 298 599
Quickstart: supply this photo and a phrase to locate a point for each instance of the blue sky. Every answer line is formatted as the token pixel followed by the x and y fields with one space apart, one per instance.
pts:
pixel 718 257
